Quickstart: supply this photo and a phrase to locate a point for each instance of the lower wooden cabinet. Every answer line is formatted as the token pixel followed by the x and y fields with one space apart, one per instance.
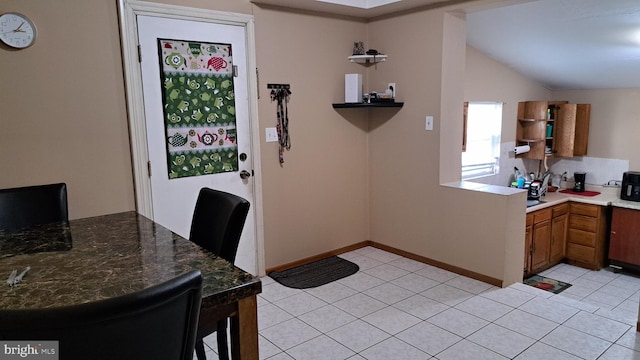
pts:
pixel 559 226
pixel 527 245
pixel 624 251
pixel 540 240
pixel 578 232
pixel 587 235
pixel 546 238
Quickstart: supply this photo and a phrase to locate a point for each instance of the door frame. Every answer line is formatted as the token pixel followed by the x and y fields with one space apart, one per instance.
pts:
pixel 128 10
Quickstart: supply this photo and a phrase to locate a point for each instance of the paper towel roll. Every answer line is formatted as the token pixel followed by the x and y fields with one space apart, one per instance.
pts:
pixel 521 149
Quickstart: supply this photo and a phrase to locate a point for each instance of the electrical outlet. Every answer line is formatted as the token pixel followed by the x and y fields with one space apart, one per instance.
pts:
pixel 271 134
pixel 429 123
pixel 392 87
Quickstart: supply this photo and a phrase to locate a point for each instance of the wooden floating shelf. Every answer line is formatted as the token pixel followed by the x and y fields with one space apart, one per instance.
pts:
pixel 367 59
pixel 385 104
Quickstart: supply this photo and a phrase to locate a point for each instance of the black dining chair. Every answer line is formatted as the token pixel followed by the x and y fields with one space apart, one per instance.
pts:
pixel 33 205
pixel 157 323
pixel 218 220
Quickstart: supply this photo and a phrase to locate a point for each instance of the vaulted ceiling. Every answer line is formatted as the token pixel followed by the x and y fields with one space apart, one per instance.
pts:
pixel 563 44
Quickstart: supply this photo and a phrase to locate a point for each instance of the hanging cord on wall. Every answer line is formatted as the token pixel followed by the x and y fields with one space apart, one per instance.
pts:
pixel 281 95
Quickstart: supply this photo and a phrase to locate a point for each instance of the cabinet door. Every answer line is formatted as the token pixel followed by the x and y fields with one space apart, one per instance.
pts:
pixel 558 238
pixel 541 240
pixel 564 135
pixel 581 141
pixel 571 136
pixel 624 243
pixel 527 251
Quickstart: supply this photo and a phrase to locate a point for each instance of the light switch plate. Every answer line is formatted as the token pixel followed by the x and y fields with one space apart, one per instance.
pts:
pixel 271 134
pixel 429 123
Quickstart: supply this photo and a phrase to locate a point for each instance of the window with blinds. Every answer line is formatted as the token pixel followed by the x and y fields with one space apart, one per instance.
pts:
pixel 481 139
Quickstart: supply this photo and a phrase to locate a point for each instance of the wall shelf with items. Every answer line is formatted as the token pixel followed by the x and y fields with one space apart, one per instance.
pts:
pixel 367 59
pixel 385 102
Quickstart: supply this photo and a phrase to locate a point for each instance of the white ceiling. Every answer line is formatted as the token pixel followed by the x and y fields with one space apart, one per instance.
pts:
pixel 563 44
pixel 365 9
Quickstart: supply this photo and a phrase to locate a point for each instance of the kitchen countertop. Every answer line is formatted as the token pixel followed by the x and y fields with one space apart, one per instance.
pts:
pixel 608 196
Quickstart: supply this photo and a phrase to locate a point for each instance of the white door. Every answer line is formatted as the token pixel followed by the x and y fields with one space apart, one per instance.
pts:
pixel 174 199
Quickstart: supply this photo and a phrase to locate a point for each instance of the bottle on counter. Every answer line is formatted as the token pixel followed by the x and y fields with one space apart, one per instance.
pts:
pixel 520 180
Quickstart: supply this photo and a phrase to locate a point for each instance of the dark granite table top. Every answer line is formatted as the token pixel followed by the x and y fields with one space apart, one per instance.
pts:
pixel 107 256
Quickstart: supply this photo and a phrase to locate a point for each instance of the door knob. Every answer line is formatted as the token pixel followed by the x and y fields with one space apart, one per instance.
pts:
pixel 244 174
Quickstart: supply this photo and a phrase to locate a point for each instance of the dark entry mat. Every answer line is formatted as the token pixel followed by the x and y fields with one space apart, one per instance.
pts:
pixel 316 273
pixel 545 283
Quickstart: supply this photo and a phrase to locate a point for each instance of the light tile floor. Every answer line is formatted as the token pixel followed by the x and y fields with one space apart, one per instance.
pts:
pixel 397 308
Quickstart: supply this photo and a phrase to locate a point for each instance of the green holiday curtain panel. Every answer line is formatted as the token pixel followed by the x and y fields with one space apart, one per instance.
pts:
pixel 199 107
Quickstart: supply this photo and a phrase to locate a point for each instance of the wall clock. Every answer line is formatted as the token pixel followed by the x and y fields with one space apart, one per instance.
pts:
pixel 17 30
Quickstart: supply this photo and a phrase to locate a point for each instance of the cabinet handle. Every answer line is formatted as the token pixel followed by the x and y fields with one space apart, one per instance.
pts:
pixel 613 232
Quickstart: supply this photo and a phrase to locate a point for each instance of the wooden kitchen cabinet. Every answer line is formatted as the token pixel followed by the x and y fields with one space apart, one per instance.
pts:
pixel 571 130
pixel 527 244
pixel 587 235
pixel 559 226
pixel 531 128
pixel 545 238
pixel 569 124
pixel 540 240
pixel 624 241
pixel 537 241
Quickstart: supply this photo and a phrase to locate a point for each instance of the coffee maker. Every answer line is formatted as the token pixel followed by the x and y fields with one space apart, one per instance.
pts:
pixel 579 178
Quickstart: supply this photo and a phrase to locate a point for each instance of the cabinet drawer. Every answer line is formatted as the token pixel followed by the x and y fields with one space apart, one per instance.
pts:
pixel 541 215
pixel 585 209
pixel 560 209
pixel 581 222
pixel 581 237
pixel 581 253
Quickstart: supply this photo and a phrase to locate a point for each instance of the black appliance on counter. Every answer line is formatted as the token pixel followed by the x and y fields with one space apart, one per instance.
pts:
pixel 630 186
pixel 579 178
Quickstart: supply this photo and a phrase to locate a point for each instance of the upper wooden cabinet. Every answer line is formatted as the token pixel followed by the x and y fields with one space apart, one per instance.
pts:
pixel 571 134
pixel 553 128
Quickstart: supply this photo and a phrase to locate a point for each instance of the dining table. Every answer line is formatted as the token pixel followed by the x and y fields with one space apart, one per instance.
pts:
pixel 107 256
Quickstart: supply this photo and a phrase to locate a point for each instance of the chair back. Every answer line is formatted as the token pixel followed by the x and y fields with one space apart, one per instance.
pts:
pixel 157 323
pixel 218 220
pixel 33 205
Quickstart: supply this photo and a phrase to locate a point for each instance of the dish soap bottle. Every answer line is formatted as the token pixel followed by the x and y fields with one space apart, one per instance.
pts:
pixel 519 178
